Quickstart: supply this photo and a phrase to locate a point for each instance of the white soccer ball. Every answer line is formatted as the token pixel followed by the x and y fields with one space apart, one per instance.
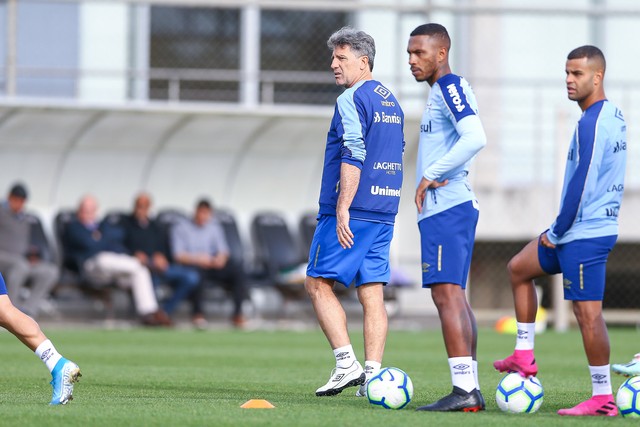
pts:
pixel 517 394
pixel 391 388
pixel 628 398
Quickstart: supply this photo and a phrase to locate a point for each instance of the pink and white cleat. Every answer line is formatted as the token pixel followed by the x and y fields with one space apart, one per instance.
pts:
pixel 601 405
pixel 521 361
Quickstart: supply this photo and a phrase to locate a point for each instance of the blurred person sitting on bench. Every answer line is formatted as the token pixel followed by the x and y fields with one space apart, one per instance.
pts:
pixel 201 243
pixel 146 240
pixel 20 262
pixel 98 252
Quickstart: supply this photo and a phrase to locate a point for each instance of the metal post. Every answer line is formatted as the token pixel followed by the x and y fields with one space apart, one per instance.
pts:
pixel 250 55
pixel 140 23
pixel 12 43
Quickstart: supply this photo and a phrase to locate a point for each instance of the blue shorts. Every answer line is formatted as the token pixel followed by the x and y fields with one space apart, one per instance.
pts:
pixel 447 241
pixel 583 265
pixel 3 286
pixel 367 261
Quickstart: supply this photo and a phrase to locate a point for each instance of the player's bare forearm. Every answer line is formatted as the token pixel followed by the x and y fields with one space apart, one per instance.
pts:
pixel 349 181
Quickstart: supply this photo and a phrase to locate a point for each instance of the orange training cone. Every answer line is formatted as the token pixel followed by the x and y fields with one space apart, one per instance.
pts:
pixel 257 404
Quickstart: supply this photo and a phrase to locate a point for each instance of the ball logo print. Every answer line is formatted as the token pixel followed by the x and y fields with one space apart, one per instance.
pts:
pixel 628 398
pixel 391 389
pixel 516 394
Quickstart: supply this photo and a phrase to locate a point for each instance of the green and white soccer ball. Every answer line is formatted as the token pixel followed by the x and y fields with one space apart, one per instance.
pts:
pixel 391 388
pixel 628 398
pixel 516 394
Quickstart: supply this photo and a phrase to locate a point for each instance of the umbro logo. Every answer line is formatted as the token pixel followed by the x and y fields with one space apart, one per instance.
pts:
pixel 342 354
pixel 46 354
pixel 521 332
pixel 461 366
pixel 598 377
pixel 425 267
pixel 382 91
pixel 338 378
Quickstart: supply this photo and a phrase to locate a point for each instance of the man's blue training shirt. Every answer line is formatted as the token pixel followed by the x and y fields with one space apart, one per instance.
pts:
pixel 451 134
pixel 594 176
pixel 366 131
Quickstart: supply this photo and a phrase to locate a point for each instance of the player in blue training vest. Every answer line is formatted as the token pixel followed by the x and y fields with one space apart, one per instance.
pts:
pixel 359 198
pixel 451 134
pixel 579 241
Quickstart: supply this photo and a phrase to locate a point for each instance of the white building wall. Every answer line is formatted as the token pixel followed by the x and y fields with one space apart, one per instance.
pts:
pixel 104 44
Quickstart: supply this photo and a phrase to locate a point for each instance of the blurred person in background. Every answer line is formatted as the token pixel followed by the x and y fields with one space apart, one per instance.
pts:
pixel 20 262
pixel 98 254
pixel 200 243
pixel 148 241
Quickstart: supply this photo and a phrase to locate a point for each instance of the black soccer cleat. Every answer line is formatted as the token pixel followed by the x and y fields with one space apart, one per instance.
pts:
pixel 458 400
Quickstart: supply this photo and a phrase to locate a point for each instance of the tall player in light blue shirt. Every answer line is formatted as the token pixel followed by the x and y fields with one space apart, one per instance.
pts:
pixel 451 134
pixel 579 241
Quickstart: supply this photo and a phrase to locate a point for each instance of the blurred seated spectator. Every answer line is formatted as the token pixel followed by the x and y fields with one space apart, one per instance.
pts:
pixel 20 262
pixel 97 252
pixel 200 243
pixel 146 240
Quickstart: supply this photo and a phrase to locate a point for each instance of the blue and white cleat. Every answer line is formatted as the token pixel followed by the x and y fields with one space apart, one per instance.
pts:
pixel 630 369
pixel 65 374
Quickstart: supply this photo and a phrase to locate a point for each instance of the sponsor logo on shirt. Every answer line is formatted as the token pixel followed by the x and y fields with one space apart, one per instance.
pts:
pixel 425 128
pixel 620 146
pixel 389 167
pixel 612 212
pixel 382 91
pixel 387 118
pixel 376 190
pixel 455 97
pixel 615 188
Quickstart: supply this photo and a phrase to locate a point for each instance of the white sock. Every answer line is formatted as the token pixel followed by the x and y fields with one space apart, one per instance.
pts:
pixel 475 373
pixel 344 356
pixel 600 379
pixel 526 335
pixel 48 354
pixel 462 372
pixel 371 369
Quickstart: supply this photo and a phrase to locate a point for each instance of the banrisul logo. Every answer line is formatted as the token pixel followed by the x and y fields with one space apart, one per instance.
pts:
pixel 455 97
pixel 382 91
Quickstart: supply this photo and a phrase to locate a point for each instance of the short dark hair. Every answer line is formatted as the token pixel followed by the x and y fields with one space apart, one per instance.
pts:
pixel 19 190
pixel 204 203
pixel 589 52
pixel 433 30
pixel 360 42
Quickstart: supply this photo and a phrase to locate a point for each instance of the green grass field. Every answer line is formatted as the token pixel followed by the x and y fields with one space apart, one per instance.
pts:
pixel 187 378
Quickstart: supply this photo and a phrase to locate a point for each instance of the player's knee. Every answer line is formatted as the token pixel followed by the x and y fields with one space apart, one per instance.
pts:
pixel 516 269
pixel 447 295
pixel 587 315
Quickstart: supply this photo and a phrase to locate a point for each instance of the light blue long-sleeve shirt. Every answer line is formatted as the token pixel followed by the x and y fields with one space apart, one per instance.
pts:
pixel 451 134
pixel 594 176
